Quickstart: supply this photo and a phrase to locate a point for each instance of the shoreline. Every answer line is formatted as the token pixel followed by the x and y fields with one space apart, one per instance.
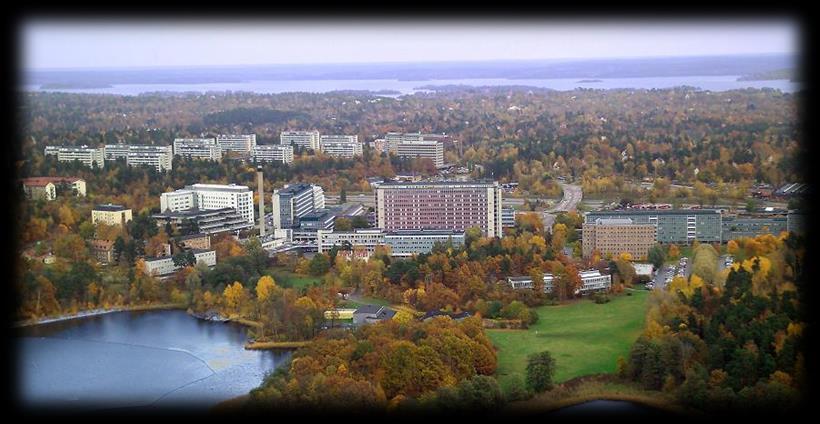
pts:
pixel 96 312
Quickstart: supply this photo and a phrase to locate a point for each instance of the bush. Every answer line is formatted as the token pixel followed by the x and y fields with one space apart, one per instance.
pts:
pixel 600 298
pixel 517 389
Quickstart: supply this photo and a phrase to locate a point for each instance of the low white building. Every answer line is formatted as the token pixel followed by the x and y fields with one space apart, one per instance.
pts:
pixel 165 265
pixel 643 270
pixel 525 282
pixel 593 280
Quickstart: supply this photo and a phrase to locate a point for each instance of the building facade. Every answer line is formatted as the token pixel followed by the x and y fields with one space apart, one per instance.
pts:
pixel 162 266
pixel 242 143
pixel 88 156
pixel 439 205
pixel 210 197
pixel 110 214
pixel 593 281
pixel 673 225
pixel 295 201
pixel 210 221
pixel 158 157
pixel 525 282
pixel 38 187
pixel 341 146
pixel 507 217
pixel 201 241
pixel 738 226
pixel 429 149
pixel 102 250
pixel 304 139
pixel 273 153
pixel 613 236
pixel 405 243
pixel 198 148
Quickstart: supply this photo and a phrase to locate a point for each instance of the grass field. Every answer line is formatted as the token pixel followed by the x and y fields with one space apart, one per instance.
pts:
pixel 583 337
pixel 286 278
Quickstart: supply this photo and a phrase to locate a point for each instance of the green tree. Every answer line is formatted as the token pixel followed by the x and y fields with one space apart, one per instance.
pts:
pixel 540 370
pixel 657 256
pixel 320 264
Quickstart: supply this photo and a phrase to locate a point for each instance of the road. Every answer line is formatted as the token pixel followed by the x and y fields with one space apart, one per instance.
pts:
pixel 572 196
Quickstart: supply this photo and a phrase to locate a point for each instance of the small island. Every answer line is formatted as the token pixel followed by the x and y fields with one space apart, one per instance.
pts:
pixel 588 81
pixel 775 74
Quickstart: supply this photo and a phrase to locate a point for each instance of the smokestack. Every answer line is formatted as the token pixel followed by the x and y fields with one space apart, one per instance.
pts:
pixel 260 187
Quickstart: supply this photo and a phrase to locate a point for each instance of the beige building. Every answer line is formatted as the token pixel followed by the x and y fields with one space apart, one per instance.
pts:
pixel 617 235
pixel 111 214
pixel 198 241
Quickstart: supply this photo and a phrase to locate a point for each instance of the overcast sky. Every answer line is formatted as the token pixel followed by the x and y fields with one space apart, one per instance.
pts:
pixel 74 44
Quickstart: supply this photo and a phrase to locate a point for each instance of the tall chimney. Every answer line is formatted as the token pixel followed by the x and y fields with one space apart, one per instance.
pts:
pixel 260 187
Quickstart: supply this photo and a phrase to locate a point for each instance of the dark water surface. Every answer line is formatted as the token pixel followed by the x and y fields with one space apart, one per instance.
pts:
pixel 608 407
pixel 138 359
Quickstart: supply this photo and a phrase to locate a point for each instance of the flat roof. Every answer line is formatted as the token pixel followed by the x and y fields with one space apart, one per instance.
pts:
pixel 657 212
pixel 195 212
pixel 110 208
pixel 439 183
pixel 217 187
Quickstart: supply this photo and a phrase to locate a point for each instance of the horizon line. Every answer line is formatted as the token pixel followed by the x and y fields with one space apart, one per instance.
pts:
pixel 416 62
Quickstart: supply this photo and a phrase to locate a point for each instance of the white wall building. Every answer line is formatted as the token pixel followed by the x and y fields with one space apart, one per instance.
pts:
pixel 243 143
pixel 593 280
pixel 159 157
pixel 198 148
pixel 429 149
pixel 273 153
pixel 88 156
pixel 401 243
pixel 210 197
pixel 305 139
pixel 165 265
pixel 344 146
pixel 525 282
pixel 359 238
pixel 295 201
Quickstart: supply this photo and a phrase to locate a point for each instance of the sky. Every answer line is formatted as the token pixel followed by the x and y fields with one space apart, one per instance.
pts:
pixel 60 44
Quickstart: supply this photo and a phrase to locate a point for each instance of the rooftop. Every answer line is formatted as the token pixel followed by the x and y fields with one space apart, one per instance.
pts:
pixel 217 187
pixel 110 208
pixel 486 183
pixel 657 212
pixel 42 181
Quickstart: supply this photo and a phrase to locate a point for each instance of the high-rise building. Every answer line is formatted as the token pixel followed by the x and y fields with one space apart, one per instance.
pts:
pixel 210 197
pixel 344 146
pixel 198 148
pixel 243 143
pixel 393 139
pixel 273 153
pixel 613 236
pixel 88 156
pixel 673 225
pixel 304 139
pixel 295 201
pixel 452 205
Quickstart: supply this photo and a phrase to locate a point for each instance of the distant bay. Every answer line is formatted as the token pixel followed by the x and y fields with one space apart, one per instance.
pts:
pixel 395 88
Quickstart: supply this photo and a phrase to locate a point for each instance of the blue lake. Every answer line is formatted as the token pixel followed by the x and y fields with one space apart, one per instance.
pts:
pixel 137 359
pixel 713 83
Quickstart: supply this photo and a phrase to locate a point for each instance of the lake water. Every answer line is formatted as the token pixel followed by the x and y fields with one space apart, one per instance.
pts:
pixel 136 360
pixel 607 408
pixel 713 83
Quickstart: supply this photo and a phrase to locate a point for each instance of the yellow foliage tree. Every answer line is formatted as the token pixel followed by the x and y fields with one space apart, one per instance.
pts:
pixel 233 295
pixel 732 247
pixel 265 288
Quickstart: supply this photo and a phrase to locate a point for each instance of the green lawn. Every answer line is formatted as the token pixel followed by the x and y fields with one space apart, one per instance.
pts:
pixel 350 303
pixel 583 337
pixel 286 278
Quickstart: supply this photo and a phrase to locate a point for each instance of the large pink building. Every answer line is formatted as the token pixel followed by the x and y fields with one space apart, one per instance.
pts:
pixel 450 205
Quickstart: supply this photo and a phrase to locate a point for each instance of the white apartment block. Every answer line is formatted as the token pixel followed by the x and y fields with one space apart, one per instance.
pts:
pixel 401 243
pixel 243 143
pixel 89 157
pixel 393 139
pixel 210 197
pixel 159 157
pixel 198 148
pixel 305 139
pixel 342 146
pixel 273 153
pixel 430 149
pixel 165 265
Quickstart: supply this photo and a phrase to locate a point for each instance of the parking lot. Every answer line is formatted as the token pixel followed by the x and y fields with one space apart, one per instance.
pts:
pixel 683 268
